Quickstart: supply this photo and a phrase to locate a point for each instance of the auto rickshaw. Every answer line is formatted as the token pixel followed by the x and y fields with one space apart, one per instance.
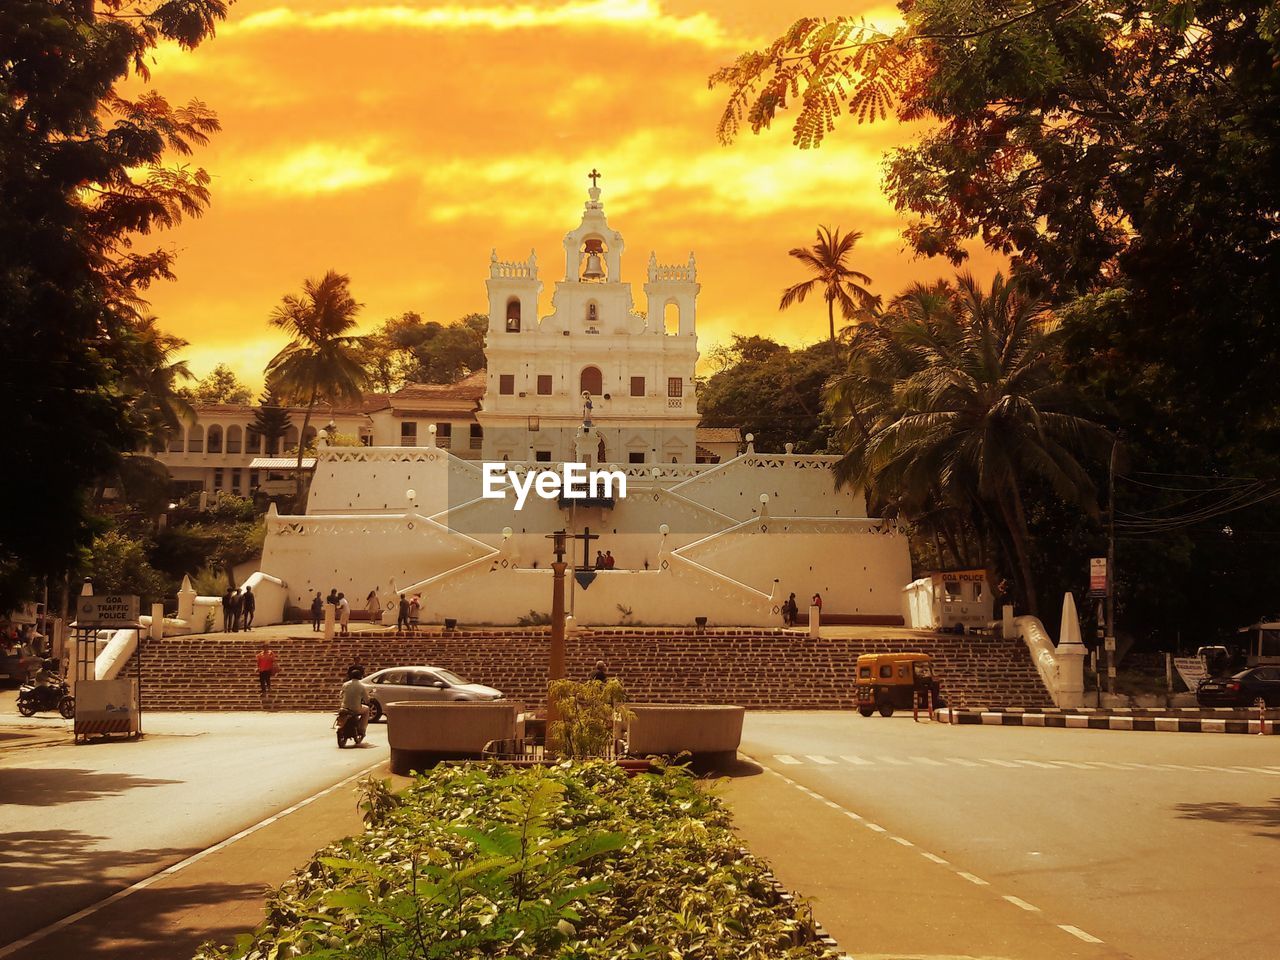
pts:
pixel 895 681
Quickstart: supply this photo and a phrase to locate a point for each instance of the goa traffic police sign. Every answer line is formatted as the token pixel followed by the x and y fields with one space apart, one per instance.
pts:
pixel 118 610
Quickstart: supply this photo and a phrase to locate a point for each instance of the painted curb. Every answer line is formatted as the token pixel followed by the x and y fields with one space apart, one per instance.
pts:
pixel 1087 721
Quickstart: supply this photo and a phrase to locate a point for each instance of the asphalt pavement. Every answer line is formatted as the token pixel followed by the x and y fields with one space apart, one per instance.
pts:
pixel 1145 845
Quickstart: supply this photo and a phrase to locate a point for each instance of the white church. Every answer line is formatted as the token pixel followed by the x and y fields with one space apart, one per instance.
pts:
pixel 598 382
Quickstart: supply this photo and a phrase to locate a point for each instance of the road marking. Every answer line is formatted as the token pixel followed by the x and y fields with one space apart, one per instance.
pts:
pixel 896 761
pixel 963 762
pixel 972 879
pixel 874 826
pixel 999 763
pixel 1037 763
pixel 1077 932
pixel 935 858
pixel 1019 902
pixel 929 761
pixel 902 840
pixel 1071 763
pixel 90 910
pixel 858 761
pixel 822 760
pixel 833 805
pixel 785 758
pixel 851 815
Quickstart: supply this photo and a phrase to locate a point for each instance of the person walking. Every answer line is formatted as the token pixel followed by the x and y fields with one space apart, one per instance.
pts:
pixel 226 611
pixel 415 610
pixel 402 615
pixel 344 614
pixel 268 667
pixel 373 604
pixel 317 611
pixel 790 611
pixel 248 606
pixel 236 601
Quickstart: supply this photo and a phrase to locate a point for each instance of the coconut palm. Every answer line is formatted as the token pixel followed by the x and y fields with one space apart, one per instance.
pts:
pixel 839 283
pixel 320 361
pixel 953 402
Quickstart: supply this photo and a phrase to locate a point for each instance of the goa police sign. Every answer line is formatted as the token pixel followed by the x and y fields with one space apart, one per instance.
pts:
pixel 115 610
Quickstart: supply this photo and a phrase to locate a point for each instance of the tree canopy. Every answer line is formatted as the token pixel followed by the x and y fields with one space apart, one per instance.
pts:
pixel 83 180
pixel 406 349
pixel 219 385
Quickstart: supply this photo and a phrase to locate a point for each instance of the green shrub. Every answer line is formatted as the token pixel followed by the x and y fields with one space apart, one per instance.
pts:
pixel 574 861
pixel 587 713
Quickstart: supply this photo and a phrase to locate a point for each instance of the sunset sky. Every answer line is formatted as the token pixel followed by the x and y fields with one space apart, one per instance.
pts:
pixel 399 142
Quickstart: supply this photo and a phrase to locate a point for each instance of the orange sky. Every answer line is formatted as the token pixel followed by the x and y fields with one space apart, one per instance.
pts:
pixel 398 141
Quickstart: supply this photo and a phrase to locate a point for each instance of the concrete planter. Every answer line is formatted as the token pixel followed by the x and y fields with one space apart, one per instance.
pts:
pixel 710 732
pixel 422 734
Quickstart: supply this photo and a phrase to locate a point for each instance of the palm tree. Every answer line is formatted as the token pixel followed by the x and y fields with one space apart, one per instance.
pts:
pixel 839 282
pixel 953 402
pixel 319 363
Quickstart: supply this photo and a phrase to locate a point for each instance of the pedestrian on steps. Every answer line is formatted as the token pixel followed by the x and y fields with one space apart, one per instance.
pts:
pixel 268 667
pixel 344 614
pixel 373 604
pixel 317 612
pixel 402 615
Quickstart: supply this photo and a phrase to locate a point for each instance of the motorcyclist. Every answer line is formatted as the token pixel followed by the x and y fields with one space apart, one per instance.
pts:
pixel 353 696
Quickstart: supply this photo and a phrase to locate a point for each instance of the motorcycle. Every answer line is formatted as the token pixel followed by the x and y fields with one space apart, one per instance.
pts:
pixel 49 694
pixel 348 725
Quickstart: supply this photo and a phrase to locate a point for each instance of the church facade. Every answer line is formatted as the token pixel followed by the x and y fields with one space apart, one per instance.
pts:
pixel 600 383
pixel 594 357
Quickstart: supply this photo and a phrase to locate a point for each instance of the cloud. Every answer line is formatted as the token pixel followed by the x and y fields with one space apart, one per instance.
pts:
pixel 590 15
pixel 314 168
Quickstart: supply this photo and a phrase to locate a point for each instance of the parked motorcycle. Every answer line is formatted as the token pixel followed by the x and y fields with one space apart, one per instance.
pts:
pixel 49 693
pixel 348 725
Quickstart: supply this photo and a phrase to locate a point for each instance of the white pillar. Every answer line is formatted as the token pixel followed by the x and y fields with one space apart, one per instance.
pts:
pixel 1009 630
pixel 1071 654
pixel 187 601
pixel 815 618
pixel 157 621
pixel 330 611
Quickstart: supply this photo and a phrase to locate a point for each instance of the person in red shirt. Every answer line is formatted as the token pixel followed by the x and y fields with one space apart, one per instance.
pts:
pixel 267 668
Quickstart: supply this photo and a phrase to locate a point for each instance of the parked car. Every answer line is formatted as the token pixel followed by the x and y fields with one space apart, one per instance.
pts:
pixel 1248 688
pixel 420 683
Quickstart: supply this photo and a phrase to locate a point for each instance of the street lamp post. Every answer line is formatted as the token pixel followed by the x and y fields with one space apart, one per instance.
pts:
pixel 556 665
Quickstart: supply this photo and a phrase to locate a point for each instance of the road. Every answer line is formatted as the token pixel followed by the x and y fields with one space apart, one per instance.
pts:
pixel 81 822
pixel 1160 845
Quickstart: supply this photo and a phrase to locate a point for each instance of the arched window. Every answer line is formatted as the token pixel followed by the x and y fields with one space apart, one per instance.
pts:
pixel 671 318
pixel 513 315
pixel 233 439
pixel 290 439
pixel 215 439
pixel 253 441
pixel 177 442
pixel 591 381
pixel 195 440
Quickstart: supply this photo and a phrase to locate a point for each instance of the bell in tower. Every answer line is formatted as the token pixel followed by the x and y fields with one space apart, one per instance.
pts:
pixel 594 269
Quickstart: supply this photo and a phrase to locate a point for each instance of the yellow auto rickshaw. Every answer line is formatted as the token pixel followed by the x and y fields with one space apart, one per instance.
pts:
pixel 895 681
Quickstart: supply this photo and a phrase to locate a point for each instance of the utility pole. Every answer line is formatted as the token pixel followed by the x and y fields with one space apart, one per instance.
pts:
pixel 1110 639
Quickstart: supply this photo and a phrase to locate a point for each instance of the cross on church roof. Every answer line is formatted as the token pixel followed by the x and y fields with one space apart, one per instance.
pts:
pixel 594 175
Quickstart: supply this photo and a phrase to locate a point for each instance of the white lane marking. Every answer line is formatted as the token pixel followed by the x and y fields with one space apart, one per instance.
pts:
pixel 897 762
pixel 90 910
pixel 1078 933
pixel 851 815
pixel 972 879
pixel 1071 763
pixel 857 761
pixel 821 760
pixel 963 762
pixel 902 840
pixel 874 826
pixel 935 858
pixel 929 761
pixel 1179 766
pixel 785 758
pixel 1019 902
pixel 999 763
pixel 1252 770
pixel 1037 763
pixel 833 805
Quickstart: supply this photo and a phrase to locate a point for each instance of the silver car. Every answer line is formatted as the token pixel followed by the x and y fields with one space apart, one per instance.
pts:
pixel 420 683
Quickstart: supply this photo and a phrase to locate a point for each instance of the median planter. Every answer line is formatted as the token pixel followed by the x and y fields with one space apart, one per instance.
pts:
pixel 577 860
pixel 422 734
pixel 710 732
